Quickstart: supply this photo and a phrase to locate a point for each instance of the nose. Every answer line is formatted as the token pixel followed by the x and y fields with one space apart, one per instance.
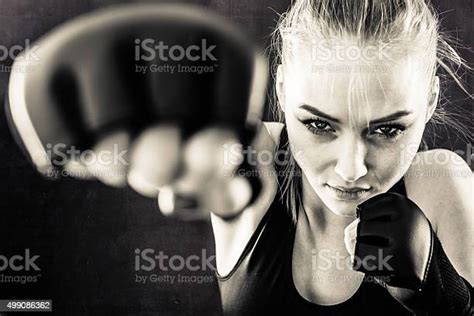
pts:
pixel 350 165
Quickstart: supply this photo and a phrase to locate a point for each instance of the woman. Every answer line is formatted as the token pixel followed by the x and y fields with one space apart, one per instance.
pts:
pixel 356 85
pixel 351 219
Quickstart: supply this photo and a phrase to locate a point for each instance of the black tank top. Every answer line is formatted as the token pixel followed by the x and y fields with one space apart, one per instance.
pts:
pixel 261 282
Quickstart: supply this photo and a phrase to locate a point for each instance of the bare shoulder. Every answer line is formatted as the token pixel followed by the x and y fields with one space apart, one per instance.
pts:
pixel 440 182
pixel 440 179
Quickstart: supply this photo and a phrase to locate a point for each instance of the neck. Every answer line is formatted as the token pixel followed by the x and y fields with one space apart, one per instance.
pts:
pixel 319 217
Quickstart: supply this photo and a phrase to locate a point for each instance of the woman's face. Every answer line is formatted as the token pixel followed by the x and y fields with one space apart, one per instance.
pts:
pixel 355 134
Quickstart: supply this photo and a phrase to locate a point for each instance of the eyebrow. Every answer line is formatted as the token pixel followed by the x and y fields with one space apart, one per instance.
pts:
pixel 391 117
pixel 317 112
pixel 387 118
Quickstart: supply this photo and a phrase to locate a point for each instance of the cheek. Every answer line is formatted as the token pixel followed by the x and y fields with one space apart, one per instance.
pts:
pixel 409 147
pixel 389 163
pixel 313 156
pixel 385 166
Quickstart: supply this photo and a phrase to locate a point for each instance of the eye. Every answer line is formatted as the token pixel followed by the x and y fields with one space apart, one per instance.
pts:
pixel 389 130
pixel 318 126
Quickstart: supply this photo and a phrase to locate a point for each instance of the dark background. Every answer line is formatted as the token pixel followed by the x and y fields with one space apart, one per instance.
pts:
pixel 86 233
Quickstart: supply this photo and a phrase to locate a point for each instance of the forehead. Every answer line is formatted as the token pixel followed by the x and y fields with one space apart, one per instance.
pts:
pixel 334 86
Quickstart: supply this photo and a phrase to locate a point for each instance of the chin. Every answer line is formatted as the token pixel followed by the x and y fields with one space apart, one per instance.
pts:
pixel 342 208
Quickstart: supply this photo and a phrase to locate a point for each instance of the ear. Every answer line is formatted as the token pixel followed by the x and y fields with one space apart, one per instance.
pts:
pixel 433 99
pixel 279 88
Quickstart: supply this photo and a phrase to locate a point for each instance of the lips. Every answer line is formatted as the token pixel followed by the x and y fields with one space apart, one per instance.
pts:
pixel 355 189
pixel 347 194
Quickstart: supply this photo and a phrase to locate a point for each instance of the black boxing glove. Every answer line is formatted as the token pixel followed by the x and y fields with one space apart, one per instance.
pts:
pixel 132 66
pixel 394 231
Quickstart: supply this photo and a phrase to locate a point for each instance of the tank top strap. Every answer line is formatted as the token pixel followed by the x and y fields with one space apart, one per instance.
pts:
pixel 399 187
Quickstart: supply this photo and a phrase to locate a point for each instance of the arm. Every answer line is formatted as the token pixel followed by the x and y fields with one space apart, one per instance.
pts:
pixel 231 236
pixel 444 193
pixel 449 207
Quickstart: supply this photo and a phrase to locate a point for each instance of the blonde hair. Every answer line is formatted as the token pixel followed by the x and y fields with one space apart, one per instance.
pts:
pixel 404 24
